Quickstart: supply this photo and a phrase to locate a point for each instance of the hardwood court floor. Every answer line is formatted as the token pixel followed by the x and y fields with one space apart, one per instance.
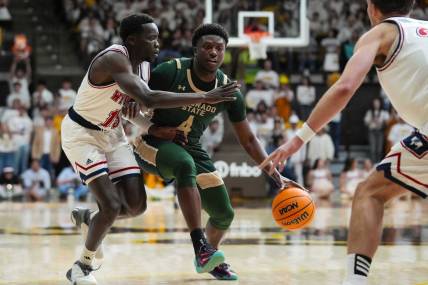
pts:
pixel 38 244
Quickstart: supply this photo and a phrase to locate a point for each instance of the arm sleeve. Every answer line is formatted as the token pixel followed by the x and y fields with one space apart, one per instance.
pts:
pixel 162 77
pixel 236 109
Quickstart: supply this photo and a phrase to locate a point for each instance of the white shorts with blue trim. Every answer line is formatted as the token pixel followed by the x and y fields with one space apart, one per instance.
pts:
pixel 407 164
pixel 95 153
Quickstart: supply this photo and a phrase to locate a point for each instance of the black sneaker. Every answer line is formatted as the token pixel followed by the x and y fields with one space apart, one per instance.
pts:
pixel 223 272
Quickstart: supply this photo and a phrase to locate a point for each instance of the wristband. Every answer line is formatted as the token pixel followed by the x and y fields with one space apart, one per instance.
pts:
pixel 305 133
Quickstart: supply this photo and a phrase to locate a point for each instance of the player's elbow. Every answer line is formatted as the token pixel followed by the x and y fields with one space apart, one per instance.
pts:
pixel 345 88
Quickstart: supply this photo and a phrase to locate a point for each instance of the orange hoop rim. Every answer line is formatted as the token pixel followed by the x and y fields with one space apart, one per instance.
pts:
pixel 256 36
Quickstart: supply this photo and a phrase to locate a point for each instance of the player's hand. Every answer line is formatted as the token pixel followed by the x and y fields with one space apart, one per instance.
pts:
pixel 130 110
pixel 279 157
pixel 168 133
pixel 280 181
pixel 222 93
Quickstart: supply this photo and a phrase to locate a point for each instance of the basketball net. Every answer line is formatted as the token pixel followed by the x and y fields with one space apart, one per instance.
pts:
pixel 256 44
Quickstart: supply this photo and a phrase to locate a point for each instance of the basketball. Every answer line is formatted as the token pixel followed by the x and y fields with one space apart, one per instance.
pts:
pixel 293 209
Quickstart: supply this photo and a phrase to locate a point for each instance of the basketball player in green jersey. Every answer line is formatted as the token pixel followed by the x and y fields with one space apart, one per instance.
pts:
pixel 172 149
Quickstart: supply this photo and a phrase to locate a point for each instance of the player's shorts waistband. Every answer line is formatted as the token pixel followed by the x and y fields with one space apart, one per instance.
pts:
pixel 82 121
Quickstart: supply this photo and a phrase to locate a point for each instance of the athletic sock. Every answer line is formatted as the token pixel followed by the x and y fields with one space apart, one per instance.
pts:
pixel 87 256
pixel 198 239
pixel 358 269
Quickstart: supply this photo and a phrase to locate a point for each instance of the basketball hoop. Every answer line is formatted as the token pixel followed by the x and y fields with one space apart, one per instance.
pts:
pixel 256 44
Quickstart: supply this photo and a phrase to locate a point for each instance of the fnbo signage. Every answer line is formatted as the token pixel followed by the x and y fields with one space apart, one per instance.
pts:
pixel 234 169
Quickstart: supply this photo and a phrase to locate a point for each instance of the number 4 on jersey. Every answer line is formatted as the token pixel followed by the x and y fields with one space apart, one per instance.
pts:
pixel 186 126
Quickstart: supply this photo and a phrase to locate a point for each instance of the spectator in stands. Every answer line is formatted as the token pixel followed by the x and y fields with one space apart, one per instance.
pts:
pixel 21 74
pixel 67 181
pixel 92 36
pixel 269 77
pixel 297 159
pixel 367 167
pixel 66 95
pixel 375 121
pixel 350 177
pixel 305 97
pixel 321 147
pixel 320 180
pixel 36 182
pixel 399 131
pixel 21 49
pixel 110 33
pixel 20 94
pixel 42 98
pixel 46 145
pixel 212 137
pixel 283 99
pixel 4 12
pixel 331 46
pixel 259 94
pixel 20 127
pixel 7 147
pixel 10 184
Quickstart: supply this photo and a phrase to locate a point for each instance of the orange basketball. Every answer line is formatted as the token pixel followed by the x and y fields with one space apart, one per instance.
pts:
pixel 293 209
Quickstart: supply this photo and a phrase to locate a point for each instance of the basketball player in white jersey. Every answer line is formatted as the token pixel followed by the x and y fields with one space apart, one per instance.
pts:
pixel 93 137
pixel 398 47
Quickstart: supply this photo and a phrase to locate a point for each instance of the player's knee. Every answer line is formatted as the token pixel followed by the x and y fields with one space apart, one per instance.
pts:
pixel 138 209
pixel 185 170
pixel 367 191
pixel 223 219
pixel 111 209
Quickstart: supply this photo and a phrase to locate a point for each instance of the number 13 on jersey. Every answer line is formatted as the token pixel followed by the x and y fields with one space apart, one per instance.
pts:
pixel 186 126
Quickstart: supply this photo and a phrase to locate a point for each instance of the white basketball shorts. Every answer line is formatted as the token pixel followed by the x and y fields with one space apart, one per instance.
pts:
pixel 94 153
pixel 407 164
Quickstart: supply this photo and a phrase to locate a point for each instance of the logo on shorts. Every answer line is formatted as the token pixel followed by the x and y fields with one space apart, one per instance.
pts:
pixel 89 161
pixel 422 32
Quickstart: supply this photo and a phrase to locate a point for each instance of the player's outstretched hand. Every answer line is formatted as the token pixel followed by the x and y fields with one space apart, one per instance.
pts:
pixel 168 133
pixel 222 93
pixel 280 156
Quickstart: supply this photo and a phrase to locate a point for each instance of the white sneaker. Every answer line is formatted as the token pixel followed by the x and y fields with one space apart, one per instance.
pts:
pixel 80 218
pixel 80 274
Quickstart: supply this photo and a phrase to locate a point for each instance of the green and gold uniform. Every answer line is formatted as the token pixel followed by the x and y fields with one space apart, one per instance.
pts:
pixel 189 165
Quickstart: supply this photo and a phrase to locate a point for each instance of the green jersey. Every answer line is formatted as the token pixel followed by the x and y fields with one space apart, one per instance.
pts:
pixel 177 76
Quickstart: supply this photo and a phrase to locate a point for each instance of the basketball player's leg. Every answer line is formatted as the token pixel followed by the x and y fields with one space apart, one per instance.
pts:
pixel 171 161
pixel 402 170
pixel 124 172
pixel 216 202
pixel 365 228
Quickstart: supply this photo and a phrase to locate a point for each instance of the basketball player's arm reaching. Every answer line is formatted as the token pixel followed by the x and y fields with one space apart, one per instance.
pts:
pixel 337 97
pixel 120 71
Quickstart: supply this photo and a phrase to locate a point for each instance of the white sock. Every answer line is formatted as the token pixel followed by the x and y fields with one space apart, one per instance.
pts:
pixel 100 251
pixel 87 256
pixel 358 269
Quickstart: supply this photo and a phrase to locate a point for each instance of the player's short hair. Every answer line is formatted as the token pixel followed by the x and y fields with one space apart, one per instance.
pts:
pixel 394 6
pixel 133 24
pixel 209 29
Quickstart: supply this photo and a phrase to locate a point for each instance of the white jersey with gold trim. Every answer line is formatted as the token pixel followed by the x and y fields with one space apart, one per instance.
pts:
pixel 101 104
pixel 404 76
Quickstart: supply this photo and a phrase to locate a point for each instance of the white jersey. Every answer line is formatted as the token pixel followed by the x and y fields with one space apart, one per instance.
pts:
pixel 101 104
pixel 404 76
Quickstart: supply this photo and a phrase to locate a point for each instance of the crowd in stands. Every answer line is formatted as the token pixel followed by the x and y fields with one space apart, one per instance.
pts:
pixel 32 162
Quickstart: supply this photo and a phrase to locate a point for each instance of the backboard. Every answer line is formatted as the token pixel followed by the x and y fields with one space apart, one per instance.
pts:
pixel 286 21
